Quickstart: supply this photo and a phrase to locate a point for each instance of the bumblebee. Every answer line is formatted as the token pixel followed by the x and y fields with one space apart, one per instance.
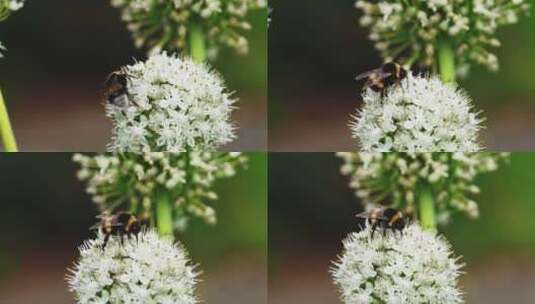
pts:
pixel 387 75
pixel 119 224
pixel 383 218
pixel 115 89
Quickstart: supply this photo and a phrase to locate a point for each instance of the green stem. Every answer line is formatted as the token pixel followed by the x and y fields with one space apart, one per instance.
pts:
pixel 164 215
pixel 446 62
pixel 426 209
pixel 197 44
pixel 6 132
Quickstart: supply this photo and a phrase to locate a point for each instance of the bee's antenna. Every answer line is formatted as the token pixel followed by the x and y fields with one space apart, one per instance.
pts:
pixel 124 71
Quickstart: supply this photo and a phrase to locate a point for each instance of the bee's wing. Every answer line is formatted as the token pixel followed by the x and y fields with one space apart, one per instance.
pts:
pixel 362 215
pixel 366 215
pixel 366 74
pixel 379 73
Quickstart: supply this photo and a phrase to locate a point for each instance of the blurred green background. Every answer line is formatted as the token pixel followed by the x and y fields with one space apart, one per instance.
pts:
pixel 46 215
pixel 61 51
pixel 311 210
pixel 317 47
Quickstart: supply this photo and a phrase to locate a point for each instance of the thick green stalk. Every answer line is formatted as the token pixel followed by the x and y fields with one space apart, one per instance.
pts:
pixel 446 62
pixel 164 215
pixel 6 132
pixel 426 209
pixel 197 44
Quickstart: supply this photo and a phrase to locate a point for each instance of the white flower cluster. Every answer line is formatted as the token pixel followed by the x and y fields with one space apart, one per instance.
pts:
pixel 395 178
pixel 149 269
pixel 166 24
pixel 422 114
pixel 6 8
pixel 133 181
pixel 174 104
pixel 415 267
pixel 415 28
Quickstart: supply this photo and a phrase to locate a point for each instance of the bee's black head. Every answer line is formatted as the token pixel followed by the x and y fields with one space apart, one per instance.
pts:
pixel 135 228
pixel 144 221
pixel 117 78
pixel 124 217
pixel 396 71
pixel 390 67
pixel 138 225
pixel 399 224
pixel 390 213
pixel 395 218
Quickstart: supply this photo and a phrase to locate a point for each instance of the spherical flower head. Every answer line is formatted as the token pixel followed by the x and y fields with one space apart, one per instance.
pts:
pixel 174 104
pixel 166 24
pixel 422 114
pixel 135 181
pixel 415 28
pixel 414 267
pixel 146 269
pixel 394 179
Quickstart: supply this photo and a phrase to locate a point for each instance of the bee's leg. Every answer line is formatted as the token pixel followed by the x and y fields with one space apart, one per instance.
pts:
pixel 384 232
pixel 106 238
pixel 374 226
pixel 361 226
pixel 121 235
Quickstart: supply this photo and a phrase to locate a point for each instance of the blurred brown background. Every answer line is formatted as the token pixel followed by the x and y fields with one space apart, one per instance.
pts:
pixel 311 210
pixel 46 215
pixel 61 51
pixel 317 47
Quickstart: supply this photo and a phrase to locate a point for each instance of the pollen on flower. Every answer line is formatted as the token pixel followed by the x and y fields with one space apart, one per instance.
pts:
pixel 132 181
pixel 165 25
pixel 422 114
pixel 174 104
pixel 388 178
pixel 414 28
pixel 414 267
pixel 146 269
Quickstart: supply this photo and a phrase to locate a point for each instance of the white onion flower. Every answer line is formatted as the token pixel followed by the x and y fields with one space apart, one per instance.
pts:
pixel 6 8
pixel 415 267
pixel 416 28
pixel 149 269
pixel 395 178
pixel 134 181
pixel 422 114
pixel 166 24
pixel 174 104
